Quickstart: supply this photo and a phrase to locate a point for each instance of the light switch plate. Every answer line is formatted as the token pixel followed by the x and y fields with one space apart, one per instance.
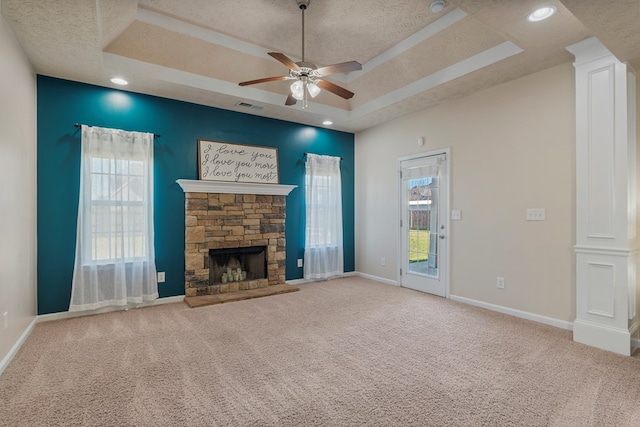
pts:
pixel 456 215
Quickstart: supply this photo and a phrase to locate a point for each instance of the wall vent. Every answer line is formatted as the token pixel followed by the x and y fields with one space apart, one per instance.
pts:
pixel 247 105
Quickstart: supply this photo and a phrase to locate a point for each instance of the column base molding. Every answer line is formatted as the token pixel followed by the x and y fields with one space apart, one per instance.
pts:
pixel 605 337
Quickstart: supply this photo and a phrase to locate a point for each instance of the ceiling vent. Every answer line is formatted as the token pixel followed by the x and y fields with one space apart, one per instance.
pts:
pixel 247 105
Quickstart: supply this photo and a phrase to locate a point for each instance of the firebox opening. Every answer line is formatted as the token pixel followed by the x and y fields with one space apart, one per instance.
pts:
pixel 251 260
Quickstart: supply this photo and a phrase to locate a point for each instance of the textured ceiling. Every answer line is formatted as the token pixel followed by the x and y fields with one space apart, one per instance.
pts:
pixel 199 50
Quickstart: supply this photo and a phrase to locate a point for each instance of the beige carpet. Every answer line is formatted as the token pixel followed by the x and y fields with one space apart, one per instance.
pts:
pixel 347 352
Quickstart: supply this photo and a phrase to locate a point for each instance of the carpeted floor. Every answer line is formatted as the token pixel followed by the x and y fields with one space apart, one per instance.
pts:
pixel 346 352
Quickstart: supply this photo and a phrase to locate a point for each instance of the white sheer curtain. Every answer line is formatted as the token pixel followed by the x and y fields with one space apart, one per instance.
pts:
pixel 323 253
pixel 115 259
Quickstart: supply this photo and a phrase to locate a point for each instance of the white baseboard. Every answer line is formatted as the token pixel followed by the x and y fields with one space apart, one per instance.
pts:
pixel 72 314
pixel 378 279
pixel 517 313
pixel 348 274
pixel 296 282
pixel 7 359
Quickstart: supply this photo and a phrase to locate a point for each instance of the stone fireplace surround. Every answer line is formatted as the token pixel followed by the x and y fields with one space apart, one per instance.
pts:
pixel 232 215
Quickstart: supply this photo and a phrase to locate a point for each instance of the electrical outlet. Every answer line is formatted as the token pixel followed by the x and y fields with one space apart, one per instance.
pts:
pixel 299 262
pixel 535 214
pixel 383 261
pixel 5 320
pixel 500 283
pixel 161 277
pixel 456 215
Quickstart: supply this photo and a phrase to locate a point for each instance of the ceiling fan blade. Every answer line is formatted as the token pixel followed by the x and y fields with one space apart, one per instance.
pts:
pixel 343 67
pixel 266 79
pixel 290 100
pixel 333 88
pixel 285 60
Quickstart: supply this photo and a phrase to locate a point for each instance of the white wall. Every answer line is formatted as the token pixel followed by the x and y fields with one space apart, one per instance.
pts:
pixel 17 190
pixel 512 148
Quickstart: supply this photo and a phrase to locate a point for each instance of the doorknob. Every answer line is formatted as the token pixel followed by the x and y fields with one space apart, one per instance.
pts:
pixel 442 236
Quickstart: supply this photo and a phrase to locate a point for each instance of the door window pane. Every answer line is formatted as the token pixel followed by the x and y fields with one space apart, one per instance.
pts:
pixel 422 226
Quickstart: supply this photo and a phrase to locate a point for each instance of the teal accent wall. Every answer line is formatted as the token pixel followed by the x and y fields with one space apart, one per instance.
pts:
pixel 62 103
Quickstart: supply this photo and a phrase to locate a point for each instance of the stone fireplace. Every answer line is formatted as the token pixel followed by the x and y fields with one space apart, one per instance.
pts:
pixel 230 226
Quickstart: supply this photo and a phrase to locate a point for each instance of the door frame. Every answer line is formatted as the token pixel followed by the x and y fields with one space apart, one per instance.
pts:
pixel 446 220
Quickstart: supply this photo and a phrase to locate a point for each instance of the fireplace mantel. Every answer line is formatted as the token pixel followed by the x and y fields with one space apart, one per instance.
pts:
pixel 201 186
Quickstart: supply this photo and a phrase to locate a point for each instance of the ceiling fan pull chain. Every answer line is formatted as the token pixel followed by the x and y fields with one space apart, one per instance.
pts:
pixel 304 94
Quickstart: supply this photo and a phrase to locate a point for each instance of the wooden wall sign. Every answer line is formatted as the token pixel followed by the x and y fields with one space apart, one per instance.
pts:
pixel 221 161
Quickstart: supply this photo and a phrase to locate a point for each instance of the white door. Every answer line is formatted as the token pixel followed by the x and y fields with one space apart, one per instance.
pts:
pixel 424 223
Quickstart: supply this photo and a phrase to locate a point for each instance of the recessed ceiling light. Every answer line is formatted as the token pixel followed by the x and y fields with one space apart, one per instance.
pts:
pixel 327 122
pixel 119 81
pixel 541 14
pixel 437 6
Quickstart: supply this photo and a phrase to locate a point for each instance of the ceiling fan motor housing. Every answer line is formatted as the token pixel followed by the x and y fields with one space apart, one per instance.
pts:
pixel 303 4
pixel 306 64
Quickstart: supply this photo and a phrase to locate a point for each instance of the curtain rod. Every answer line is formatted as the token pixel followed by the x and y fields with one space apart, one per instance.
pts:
pixel 156 135
pixel 305 153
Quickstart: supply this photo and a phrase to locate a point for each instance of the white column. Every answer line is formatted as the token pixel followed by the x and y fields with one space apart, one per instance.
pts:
pixel 606 245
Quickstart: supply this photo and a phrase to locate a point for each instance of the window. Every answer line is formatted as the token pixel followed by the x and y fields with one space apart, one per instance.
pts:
pixel 116 210
pixel 320 230
pixel 323 254
pixel 115 261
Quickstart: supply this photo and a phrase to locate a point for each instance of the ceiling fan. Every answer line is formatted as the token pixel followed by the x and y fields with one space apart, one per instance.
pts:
pixel 308 78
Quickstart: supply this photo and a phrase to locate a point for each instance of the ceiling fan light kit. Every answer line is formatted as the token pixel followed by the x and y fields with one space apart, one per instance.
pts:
pixel 297 90
pixel 313 89
pixel 309 79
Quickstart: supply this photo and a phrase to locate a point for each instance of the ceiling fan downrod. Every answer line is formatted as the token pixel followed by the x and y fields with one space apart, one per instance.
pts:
pixel 303 4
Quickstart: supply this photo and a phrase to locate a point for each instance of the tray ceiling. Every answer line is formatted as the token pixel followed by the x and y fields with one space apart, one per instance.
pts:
pixel 199 50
